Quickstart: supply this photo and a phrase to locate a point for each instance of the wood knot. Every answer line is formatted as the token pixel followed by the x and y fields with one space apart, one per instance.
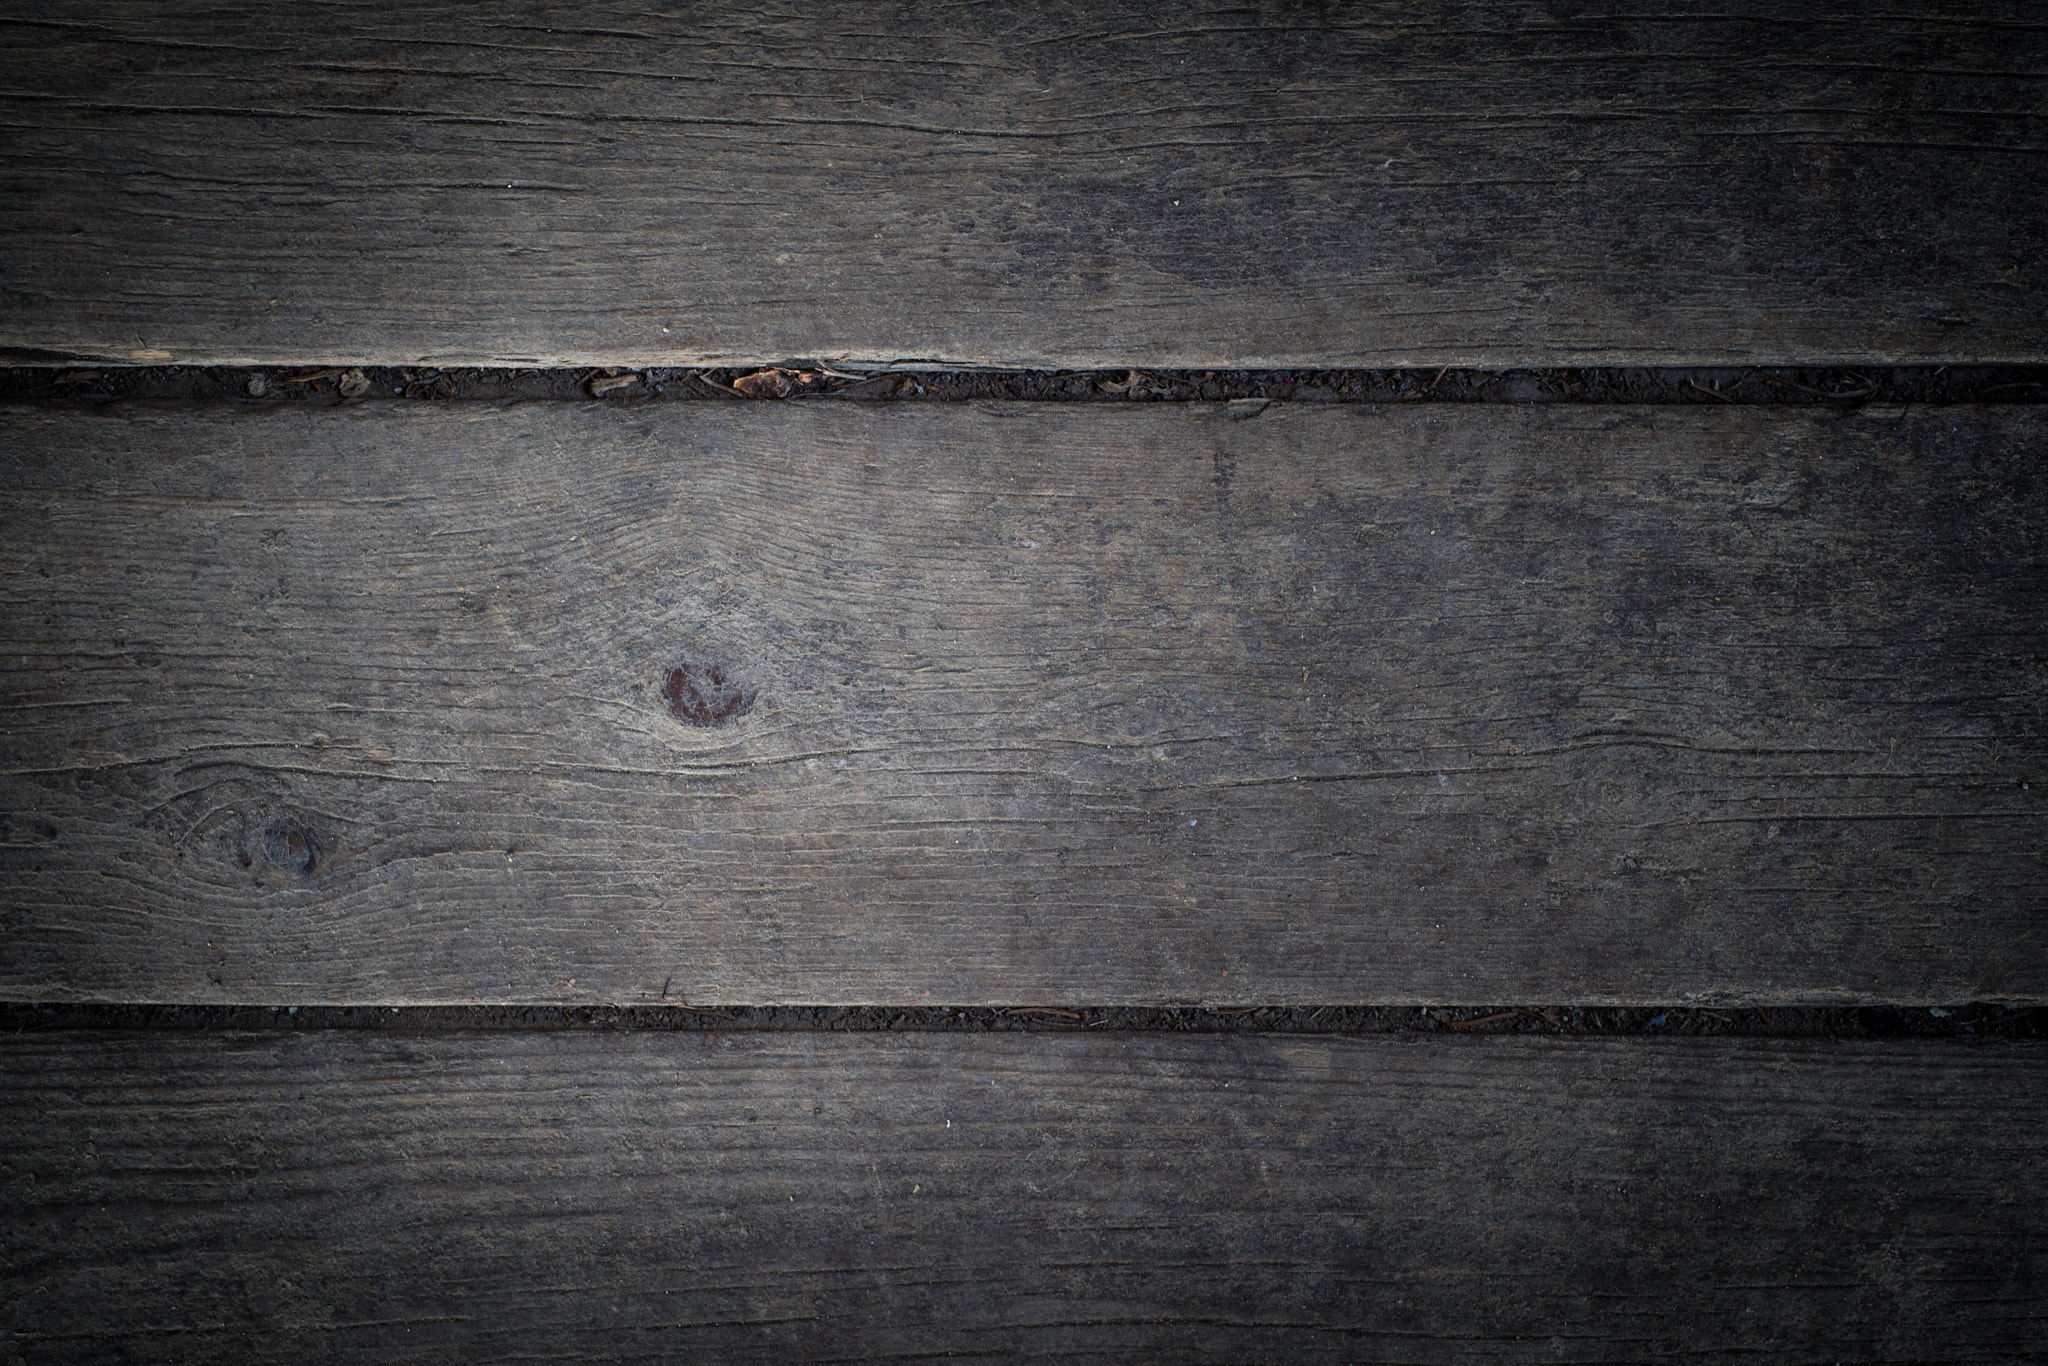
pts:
pixel 291 847
pixel 703 695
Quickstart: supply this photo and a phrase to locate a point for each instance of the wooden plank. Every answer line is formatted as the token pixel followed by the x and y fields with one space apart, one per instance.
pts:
pixel 1021 703
pixel 1017 184
pixel 1087 1198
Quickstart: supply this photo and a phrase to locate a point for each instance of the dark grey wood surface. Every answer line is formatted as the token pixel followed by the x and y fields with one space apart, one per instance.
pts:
pixel 819 1197
pixel 1022 703
pixel 1020 184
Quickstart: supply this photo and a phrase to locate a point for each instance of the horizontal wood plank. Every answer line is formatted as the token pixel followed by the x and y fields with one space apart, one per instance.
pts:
pixel 1022 184
pixel 1081 1198
pixel 1022 703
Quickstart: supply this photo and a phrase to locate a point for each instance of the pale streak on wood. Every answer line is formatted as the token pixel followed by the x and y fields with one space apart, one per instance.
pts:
pixel 1096 1198
pixel 1049 704
pixel 1012 184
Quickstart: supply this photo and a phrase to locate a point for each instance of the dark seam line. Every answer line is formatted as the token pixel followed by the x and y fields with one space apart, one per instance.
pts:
pixel 1977 1020
pixel 1830 386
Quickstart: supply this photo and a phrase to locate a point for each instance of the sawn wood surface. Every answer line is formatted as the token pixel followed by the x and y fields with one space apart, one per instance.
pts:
pixel 1021 704
pixel 1111 1198
pixel 1489 183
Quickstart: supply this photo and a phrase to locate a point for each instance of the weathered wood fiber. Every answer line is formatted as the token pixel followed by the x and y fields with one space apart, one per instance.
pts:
pixel 1020 184
pixel 482 1198
pixel 1115 705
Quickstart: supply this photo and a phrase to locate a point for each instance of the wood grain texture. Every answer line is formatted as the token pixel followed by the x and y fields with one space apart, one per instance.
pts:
pixel 1020 184
pixel 1095 1198
pixel 1029 703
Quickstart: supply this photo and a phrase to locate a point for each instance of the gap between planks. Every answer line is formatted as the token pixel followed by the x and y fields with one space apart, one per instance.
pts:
pixel 1788 386
pixel 1970 1021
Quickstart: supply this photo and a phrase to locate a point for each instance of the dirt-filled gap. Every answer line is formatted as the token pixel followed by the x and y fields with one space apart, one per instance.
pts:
pixel 1973 1021
pixel 272 386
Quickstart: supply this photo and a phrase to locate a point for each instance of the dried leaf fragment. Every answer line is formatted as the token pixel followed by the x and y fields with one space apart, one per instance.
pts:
pixel 353 384
pixel 775 382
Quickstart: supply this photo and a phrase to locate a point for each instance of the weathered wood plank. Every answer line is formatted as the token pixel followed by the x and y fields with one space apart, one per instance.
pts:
pixel 1029 703
pixel 1086 1198
pixel 1021 184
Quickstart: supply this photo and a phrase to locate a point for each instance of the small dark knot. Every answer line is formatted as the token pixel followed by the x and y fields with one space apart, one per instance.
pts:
pixel 703 696
pixel 292 848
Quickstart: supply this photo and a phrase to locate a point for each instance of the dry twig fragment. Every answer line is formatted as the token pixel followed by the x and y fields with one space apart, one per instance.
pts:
pixel 611 384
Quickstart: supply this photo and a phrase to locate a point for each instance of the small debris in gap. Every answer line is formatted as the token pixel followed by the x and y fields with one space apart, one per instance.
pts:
pixel 611 384
pixel 434 384
pixel 354 384
pixel 78 377
pixel 313 376
pixel 1495 1018
pixel 259 386
pixel 1131 380
pixel 868 386
pixel 775 382
pixel 722 390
